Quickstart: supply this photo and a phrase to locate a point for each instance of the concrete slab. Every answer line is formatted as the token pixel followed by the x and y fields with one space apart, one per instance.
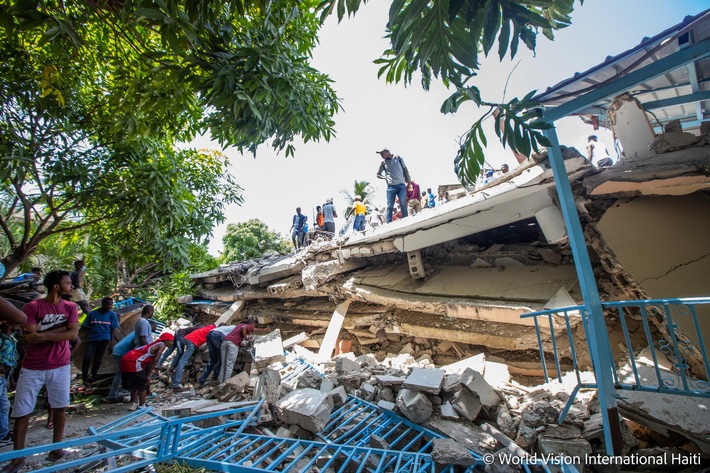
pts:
pixel 475 383
pixel 450 452
pixel 331 335
pixel 476 362
pixel 230 314
pixel 386 380
pixel 448 412
pixel 223 406
pixel 390 406
pixel 468 435
pixel 307 408
pixel 425 380
pixel 268 349
pixel 414 405
pixel 187 408
pixel 296 339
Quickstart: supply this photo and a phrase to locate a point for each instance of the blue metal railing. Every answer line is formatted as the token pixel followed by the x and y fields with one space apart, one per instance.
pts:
pixel 127 302
pixel 669 327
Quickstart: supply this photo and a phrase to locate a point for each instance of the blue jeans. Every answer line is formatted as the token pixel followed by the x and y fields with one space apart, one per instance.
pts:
pixel 214 344
pixel 4 408
pixel 177 345
pixel 116 384
pixel 186 355
pixel 359 224
pixel 397 190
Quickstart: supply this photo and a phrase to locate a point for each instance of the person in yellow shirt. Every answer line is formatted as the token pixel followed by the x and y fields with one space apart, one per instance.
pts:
pixel 360 212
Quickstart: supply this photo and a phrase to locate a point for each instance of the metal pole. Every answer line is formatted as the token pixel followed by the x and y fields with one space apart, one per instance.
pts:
pixel 598 342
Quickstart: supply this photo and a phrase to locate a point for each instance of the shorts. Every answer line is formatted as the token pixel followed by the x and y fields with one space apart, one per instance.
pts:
pixel 135 381
pixel 78 295
pixel 57 382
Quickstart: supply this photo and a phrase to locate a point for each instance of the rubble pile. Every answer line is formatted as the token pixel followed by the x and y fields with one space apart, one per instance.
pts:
pixel 473 404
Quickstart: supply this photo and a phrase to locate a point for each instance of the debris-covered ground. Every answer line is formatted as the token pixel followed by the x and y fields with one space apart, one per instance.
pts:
pixel 479 413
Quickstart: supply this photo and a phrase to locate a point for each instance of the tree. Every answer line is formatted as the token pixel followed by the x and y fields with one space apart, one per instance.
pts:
pixel 251 239
pixel 365 191
pixel 443 38
pixel 98 97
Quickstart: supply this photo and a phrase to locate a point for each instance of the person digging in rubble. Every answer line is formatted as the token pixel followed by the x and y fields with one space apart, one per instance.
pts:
pixel 230 348
pixel 191 342
pixel 597 153
pixel 137 366
pixel 214 346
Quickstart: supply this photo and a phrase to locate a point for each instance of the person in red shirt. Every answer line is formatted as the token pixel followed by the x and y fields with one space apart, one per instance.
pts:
pixel 137 365
pixel 230 348
pixel 191 342
pixel 51 323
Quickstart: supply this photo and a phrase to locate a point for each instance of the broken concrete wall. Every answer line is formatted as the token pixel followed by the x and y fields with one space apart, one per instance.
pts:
pixel 662 241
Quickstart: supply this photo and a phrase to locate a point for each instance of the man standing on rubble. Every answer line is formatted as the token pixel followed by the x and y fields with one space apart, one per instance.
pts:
pixel 394 171
pixel 230 348
pixel 297 227
pixel 191 342
pixel 329 215
pixel 51 323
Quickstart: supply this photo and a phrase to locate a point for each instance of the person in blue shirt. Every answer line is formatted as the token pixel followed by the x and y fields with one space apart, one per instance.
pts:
pixel 101 323
pixel 299 221
pixel 431 200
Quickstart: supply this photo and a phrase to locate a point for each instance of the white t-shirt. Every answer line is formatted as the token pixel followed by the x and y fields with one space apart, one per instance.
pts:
pixel 599 152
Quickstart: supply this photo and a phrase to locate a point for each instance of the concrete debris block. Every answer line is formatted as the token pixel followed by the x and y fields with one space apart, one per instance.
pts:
pixel 451 382
pixel 367 360
pixel 673 141
pixel 268 386
pixel 507 261
pixel 444 346
pixel 496 373
pixel 527 436
pixel 474 381
pixel 450 452
pixel 448 412
pixel 407 349
pixel 385 380
pixel 307 408
pixel 326 385
pixel 295 340
pixel 309 379
pixel 187 408
pixel 385 394
pixel 305 354
pixel 367 391
pixel 346 365
pixel 470 436
pixel 476 362
pixel 338 396
pixel 570 448
pixel 425 380
pixel 239 381
pixel 563 432
pixel 399 362
pixel 414 405
pixel 268 349
pixel 387 405
pixel 378 442
pixel 425 360
pixel 505 421
pixel 302 466
pixel 467 404
pixel 283 432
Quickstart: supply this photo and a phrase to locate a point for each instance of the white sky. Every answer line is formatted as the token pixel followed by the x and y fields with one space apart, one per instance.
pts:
pixel 408 121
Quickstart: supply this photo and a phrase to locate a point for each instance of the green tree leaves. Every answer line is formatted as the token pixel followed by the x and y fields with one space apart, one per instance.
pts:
pixel 251 239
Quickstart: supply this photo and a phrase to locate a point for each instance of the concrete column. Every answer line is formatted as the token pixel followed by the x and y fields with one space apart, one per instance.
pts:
pixel 331 335
pixel 230 314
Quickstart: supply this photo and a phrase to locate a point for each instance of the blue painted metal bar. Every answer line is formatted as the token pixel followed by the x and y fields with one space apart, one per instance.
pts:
pixel 696 52
pixel 680 100
pixel 598 337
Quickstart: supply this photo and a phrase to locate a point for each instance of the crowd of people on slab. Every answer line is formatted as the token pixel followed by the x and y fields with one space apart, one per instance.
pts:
pixel 37 342
pixel 404 197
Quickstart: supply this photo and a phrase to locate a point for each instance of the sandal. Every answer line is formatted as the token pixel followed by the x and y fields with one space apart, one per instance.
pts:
pixel 55 455
pixel 50 424
pixel 10 468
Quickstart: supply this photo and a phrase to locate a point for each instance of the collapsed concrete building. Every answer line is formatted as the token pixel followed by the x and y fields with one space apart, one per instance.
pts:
pixel 620 252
